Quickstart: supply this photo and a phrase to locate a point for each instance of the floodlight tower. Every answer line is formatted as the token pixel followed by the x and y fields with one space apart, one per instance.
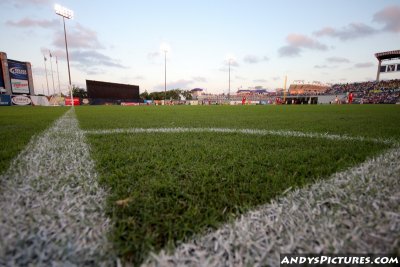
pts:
pixel 66 13
pixel 45 68
pixel 229 59
pixel 58 75
pixel 165 48
pixel 229 87
pixel 52 74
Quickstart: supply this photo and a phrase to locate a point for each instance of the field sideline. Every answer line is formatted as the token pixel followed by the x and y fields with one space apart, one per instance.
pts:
pixel 173 174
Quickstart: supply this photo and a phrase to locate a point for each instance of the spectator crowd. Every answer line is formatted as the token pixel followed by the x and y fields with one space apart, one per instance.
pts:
pixel 373 92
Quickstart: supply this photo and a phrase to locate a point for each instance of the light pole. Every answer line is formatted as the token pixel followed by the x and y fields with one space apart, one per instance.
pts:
pixel 229 88
pixel 229 58
pixel 66 13
pixel 52 74
pixel 45 68
pixel 58 75
pixel 165 48
pixel 165 76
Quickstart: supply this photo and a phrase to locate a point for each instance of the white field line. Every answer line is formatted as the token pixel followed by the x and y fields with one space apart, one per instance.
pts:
pixel 242 131
pixel 51 206
pixel 355 211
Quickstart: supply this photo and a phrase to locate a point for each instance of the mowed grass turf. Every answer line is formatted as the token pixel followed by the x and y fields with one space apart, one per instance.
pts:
pixel 166 187
pixel 19 124
pixel 355 120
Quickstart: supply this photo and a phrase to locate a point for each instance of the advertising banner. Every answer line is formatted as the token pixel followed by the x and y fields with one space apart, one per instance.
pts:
pixel 5 100
pixel 390 68
pixel 2 86
pixel 19 77
pixel 68 101
pixel 129 104
pixel 20 100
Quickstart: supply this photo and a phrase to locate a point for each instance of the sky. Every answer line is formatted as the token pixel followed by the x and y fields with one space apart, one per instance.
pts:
pixel 122 41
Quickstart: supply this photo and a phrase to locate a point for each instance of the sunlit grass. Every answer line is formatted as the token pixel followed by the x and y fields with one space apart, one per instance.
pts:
pixel 19 124
pixel 356 120
pixel 166 187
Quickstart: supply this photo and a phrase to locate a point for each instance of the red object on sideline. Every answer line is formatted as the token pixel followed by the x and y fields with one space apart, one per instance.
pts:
pixel 68 101
pixel 350 97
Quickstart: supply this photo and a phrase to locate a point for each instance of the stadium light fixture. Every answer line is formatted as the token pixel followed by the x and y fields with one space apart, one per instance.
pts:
pixel 66 13
pixel 165 48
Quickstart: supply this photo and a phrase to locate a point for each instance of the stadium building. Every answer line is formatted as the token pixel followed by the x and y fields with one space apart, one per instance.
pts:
pixel 301 88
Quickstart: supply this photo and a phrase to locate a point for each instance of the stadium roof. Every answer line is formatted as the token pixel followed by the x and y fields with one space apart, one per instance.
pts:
pixel 388 55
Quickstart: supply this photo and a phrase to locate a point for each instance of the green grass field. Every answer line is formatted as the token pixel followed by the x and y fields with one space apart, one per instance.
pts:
pixel 355 120
pixel 19 124
pixel 167 187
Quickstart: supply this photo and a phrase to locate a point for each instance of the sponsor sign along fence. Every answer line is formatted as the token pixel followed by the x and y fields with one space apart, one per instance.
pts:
pixel 2 86
pixel 19 77
pixel 68 101
pixel 5 100
pixel 21 100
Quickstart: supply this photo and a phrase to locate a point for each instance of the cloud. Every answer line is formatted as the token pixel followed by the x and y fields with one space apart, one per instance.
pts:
pixel 91 61
pixel 139 77
pixel 321 67
pixel 289 51
pixel 28 23
pixel 39 71
pixel 59 53
pixel 252 59
pixel 337 60
pixel 298 42
pixel 276 78
pixel 233 62
pixel 364 65
pixel 199 79
pixel 390 17
pixel 78 37
pixel 349 32
pixel 260 80
pixel 181 84
pixel 23 3
pixel 240 77
pixel 153 55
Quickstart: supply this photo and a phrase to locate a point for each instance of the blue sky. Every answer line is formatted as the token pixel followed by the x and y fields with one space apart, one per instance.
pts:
pixel 119 41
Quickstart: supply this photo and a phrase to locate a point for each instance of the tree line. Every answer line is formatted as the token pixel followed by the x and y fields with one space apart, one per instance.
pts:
pixel 174 94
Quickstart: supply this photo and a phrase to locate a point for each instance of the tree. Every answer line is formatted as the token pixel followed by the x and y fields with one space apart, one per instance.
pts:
pixel 174 94
pixel 145 95
pixel 187 94
pixel 79 92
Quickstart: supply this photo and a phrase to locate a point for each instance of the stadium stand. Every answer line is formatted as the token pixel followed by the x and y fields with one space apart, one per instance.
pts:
pixel 307 89
pixel 373 92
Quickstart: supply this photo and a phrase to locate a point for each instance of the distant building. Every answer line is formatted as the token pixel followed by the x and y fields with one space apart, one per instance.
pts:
pixel 243 92
pixel 15 77
pixel 258 90
pixel 196 92
pixel 308 88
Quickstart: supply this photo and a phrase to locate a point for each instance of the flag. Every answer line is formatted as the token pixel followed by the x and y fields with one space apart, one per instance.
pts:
pixel 56 60
pixel 50 54
pixel 45 59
